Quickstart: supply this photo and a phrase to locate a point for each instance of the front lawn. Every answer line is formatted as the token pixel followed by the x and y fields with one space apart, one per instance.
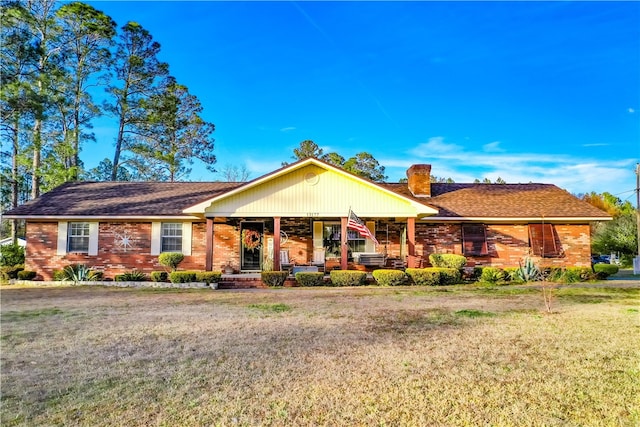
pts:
pixel 319 356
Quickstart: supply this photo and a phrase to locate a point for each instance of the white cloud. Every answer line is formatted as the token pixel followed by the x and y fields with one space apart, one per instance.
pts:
pixel 435 147
pixel 492 147
pixel 631 110
pixel 287 129
pixel 575 173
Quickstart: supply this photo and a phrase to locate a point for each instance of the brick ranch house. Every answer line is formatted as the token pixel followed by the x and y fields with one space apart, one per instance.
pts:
pixel 117 227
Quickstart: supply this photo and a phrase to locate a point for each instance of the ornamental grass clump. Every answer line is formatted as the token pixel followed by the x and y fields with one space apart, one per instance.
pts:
pixel 492 275
pixel 310 278
pixel 131 276
pixel 384 277
pixel 348 278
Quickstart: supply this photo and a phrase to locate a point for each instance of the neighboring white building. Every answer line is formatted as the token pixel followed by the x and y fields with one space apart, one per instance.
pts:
pixel 8 241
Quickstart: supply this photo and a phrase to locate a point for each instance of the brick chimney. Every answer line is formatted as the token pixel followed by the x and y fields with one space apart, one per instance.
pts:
pixel 419 178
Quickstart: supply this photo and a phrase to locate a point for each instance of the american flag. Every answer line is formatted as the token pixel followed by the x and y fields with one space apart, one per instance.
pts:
pixel 357 224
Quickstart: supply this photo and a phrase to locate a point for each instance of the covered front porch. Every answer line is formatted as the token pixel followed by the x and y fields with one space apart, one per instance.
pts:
pixel 323 242
pixel 303 210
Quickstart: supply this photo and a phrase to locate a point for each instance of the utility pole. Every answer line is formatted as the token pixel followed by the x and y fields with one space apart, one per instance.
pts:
pixel 636 262
pixel 638 202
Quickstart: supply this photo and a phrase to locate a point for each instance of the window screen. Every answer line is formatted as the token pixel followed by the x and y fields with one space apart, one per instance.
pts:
pixel 171 236
pixel 78 237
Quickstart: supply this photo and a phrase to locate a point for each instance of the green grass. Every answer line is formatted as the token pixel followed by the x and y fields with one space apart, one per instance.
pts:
pixel 275 308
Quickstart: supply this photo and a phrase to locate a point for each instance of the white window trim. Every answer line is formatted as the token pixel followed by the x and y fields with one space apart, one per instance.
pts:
pixel 63 234
pixel 156 237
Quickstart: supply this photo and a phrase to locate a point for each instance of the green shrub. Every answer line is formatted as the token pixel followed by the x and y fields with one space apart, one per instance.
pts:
pixel 348 278
pixel 608 269
pixel 492 275
pixel 582 273
pixel 27 275
pixel 274 278
pixel 511 274
pixel 131 276
pixel 10 272
pixel 159 276
pixel 449 276
pixel 447 261
pixel 208 277
pixel 310 278
pixel 170 259
pixel 424 276
pixel 182 276
pixel 385 277
pixel 11 255
pixel 59 275
pixel 553 274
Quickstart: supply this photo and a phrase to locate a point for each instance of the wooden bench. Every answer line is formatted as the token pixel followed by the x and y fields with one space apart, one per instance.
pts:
pixel 371 259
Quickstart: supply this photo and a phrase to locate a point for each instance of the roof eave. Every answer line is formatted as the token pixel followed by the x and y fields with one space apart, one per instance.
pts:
pixel 516 219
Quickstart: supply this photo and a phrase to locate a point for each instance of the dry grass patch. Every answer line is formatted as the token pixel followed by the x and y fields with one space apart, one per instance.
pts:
pixel 321 356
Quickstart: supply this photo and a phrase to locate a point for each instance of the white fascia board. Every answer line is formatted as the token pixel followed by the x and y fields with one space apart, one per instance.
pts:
pixel 512 220
pixel 103 218
pixel 200 208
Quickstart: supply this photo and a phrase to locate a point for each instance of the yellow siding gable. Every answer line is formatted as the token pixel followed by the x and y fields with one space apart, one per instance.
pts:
pixel 314 191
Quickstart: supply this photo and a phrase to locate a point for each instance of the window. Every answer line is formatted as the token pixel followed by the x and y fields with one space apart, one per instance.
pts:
pixel 331 233
pixel 171 237
pixel 78 237
pixel 542 239
pixel 474 239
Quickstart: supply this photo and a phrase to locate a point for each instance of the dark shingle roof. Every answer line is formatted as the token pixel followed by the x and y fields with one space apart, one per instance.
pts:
pixel 146 199
pixel 503 201
pixel 122 198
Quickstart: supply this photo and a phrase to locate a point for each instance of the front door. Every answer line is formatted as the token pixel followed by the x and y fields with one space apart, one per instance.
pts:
pixel 251 246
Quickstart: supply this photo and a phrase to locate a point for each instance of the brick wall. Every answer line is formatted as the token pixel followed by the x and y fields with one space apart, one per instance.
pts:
pixel 507 245
pixel 113 258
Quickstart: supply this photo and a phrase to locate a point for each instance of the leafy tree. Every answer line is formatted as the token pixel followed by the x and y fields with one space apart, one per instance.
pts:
pixel 307 148
pixel 103 171
pixel 488 181
pixel 174 133
pixel 17 103
pixel 88 34
pixel 618 235
pixel 334 159
pixel 137 69
pixel 365 165
pixel 41 23
pixel 613 205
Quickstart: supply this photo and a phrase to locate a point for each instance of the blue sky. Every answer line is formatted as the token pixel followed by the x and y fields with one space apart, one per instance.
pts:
pixel 526 91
